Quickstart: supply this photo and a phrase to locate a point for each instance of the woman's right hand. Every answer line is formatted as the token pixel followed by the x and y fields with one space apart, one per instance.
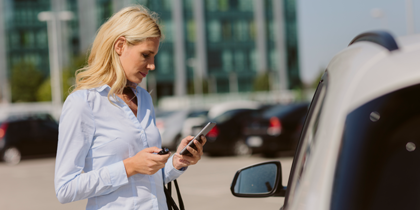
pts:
pixel 146 161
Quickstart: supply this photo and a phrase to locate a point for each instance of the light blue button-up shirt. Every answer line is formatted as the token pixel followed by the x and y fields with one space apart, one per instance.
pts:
pixel 95 137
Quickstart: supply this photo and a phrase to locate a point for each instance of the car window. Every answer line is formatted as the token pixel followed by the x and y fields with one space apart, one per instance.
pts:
pixel 307 140
pixel 277 110
pixel 163 114
pixel 198 114
pixel 227 115
pixel 378 164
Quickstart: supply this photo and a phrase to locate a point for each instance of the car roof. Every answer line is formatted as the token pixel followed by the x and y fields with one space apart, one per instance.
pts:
pixel 366 70
pixel 224 107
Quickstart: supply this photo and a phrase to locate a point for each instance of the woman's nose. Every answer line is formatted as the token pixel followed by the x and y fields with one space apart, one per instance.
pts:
pixel 151 66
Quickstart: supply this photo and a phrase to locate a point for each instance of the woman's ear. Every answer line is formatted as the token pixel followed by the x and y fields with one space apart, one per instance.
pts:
pixel 120 45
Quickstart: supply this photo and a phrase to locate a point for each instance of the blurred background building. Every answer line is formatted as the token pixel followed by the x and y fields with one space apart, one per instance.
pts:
pixel 210 46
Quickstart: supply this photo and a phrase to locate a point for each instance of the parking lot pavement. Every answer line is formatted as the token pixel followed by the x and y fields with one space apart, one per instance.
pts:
pixel 30 185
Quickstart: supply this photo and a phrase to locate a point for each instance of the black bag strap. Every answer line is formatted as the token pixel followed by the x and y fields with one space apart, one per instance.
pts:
pixel 170 201
pixel 178 193
pixel 168 194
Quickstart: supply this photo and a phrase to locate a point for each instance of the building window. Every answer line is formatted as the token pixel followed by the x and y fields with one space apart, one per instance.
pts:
pixel 167 5
pixel 191 30
pixel 239 60
pixel 223 5
pixel 226 30
pixel 253 60
pixel 245 5
pixel 241 30
pixel 164 62
pixel 188 5
pixel 214 31
pixel 167 30
pixel 227 60
pixel 273 59
pixel 271 30
pixel 41 38
pixel 105 10
pixel 14 40
pixel 211 5
pixel 252 31
pixel 26 38
pixel 214 59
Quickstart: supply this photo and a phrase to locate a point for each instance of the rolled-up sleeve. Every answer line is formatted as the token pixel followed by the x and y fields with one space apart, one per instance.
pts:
pixel 76 132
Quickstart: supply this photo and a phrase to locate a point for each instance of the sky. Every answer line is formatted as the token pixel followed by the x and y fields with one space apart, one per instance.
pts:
pixel 325 27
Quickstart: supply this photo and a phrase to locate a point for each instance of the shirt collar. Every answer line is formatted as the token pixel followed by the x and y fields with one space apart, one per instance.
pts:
pixel 102 88
pixel 129 84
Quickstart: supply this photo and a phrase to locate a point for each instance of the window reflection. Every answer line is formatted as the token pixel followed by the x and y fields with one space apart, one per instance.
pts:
pixel 227 60
pixel 214 31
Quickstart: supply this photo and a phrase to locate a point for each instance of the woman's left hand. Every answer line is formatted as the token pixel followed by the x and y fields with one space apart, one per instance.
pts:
pixel 181 161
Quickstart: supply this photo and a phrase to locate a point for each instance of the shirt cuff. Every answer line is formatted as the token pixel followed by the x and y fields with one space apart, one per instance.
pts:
pixel 117 174
pixel 171 171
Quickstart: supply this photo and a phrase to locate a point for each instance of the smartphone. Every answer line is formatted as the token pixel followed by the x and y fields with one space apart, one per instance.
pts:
pixel 203 132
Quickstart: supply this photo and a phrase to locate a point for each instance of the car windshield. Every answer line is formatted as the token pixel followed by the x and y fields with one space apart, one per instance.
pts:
pixel 198 114
pixel 378 165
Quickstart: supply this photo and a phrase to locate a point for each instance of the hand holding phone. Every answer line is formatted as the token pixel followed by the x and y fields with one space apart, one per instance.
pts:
pixel 203 132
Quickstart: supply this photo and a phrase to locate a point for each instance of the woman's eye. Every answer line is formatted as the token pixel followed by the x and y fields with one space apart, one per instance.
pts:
pixel 146 55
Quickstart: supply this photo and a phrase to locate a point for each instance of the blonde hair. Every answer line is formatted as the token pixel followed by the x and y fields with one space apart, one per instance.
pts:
pixel 136 24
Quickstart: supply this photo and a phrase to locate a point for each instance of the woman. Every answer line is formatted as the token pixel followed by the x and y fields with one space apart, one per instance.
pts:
pixel 108 138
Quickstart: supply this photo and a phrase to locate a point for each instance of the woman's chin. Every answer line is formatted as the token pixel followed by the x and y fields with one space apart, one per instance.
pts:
pixel 136 80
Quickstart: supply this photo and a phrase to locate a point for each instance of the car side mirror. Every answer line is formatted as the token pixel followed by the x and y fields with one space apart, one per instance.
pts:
pixel 259 180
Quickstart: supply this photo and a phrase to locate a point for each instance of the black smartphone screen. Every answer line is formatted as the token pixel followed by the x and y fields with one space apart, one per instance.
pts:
pixel 203 132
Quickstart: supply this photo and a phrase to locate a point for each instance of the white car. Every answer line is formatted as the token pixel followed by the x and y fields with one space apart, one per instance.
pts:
pixel 358 147
pixel 176 125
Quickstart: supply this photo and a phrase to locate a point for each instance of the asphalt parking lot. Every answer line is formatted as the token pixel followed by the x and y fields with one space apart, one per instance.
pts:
pixel 204 186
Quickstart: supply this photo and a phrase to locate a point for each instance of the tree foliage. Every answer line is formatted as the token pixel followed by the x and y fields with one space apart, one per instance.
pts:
pixel 191 86
pixel 68 79
pixel 25 82
pixel 262 82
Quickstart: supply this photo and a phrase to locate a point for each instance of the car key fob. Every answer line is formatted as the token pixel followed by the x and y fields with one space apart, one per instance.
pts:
pixel 163 151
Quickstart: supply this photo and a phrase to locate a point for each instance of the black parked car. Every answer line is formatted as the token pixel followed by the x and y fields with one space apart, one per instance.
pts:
pixel 29 135
pixel 226 137
pixel 275 129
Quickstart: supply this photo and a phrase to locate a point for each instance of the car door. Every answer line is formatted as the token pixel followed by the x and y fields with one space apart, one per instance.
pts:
pixel 20 135
pixel 47 134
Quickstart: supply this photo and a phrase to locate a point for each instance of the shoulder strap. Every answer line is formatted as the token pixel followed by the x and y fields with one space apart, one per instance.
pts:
pixel 169 200
pixel 168 194
pixel 178 193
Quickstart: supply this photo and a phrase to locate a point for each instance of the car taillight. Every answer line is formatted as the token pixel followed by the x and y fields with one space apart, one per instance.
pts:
pixel 274 129
pixel 213 133
pixel 3 129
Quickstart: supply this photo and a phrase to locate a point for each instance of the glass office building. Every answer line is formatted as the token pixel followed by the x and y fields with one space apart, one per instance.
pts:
pixel 225 44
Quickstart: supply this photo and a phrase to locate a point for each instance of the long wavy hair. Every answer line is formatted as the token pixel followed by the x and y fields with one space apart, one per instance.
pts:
pixel 136 24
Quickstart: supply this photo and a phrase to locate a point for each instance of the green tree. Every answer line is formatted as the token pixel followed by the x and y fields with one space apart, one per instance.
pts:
pixel 191 86
pixel 262 82
pixel 25 82
pixel 68 79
